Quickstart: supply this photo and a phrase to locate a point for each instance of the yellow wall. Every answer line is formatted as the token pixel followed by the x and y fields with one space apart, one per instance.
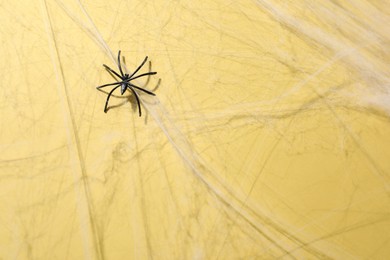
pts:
pixel 269 136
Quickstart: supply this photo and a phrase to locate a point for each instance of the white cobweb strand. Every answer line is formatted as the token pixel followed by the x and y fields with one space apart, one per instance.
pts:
pixel 363 58
pixel 234 199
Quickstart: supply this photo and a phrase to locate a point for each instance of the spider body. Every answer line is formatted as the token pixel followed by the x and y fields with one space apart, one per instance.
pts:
pixel 124 85
pixel 124 82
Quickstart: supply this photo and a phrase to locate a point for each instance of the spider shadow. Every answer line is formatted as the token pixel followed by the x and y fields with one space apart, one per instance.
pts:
pixel 130 97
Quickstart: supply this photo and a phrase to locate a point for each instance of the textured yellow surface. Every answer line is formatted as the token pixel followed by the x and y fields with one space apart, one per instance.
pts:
pixel 269 136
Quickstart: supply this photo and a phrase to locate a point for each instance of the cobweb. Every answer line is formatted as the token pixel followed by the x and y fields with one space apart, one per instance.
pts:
pixel 268 136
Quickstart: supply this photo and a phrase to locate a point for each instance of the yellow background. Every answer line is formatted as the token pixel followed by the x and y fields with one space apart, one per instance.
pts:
pixel 269 136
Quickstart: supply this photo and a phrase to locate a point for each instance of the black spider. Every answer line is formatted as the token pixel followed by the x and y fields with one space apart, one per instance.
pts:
pixel 124 82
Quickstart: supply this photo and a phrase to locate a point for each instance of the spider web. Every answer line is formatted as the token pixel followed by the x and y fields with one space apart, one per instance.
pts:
pixel 267 138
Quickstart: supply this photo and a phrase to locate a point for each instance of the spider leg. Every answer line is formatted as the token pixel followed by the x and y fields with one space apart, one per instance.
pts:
pixel 142 75
pixel 112 71
pixel 139 67
pixel 144 90
pixel 108 98
pixel 119 63
pixel 106 85
pixel 136 96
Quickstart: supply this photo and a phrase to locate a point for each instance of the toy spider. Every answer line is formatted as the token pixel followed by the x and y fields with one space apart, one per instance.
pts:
pixel 124 82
